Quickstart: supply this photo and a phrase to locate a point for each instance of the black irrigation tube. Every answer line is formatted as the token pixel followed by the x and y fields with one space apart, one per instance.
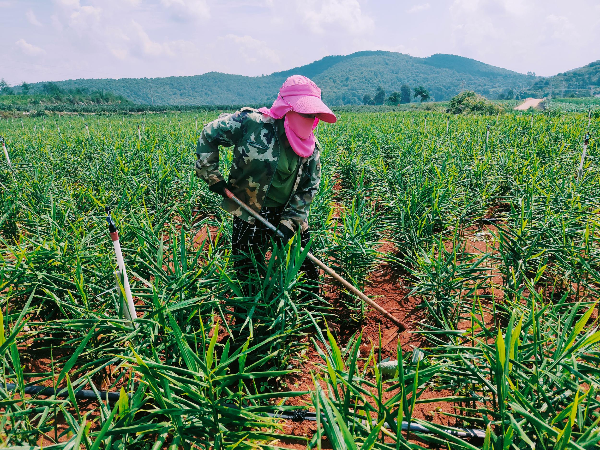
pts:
pixel 296 416
pixel 301 415
pixel 87 394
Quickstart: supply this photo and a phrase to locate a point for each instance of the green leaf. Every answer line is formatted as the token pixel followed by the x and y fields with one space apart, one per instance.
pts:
pixel 590 340
pixel 501 347
pixel 211 346
pixel 123 402
pixel 73 359
pixel 332 375
pixel 514 339
pixel 105 428
pixel 579 326
pixel 341 423
pixel 372 437
pixel 445 435
pixel 72 398
pixel 79 436
pixel 337 354
pixel 488 437
pixel 2 337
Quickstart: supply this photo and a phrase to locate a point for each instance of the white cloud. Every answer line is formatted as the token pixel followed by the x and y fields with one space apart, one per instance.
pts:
pixel 105 27
pixel 97 38
pixel 322 15
pixel 544 36
pixel 29 49
pixel 56 23
pixel 187 9
pixel 147 46
pixel 465 5
pixel 85 17
pixel 562 28
pixel 68 3
pixel 134 41
pixel 31 18
pixel 253 50
pixel 518 8
pixel 419 8
pixel 84 20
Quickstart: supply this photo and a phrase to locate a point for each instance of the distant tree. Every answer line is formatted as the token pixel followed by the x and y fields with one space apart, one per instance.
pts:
pixel 468 102
pixel 51 89
pixel 5 88
pixel 421 92
pixel 25 88
pixel 368 100
pixel 379 96
pixel 405 94
pixel 393 99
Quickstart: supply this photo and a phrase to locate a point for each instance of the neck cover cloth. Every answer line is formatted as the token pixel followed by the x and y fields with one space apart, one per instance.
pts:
pixel 299 131
pixel 299 95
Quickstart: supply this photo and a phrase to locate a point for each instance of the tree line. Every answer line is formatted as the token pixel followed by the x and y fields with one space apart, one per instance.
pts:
pixel 396 98
pixel 53 93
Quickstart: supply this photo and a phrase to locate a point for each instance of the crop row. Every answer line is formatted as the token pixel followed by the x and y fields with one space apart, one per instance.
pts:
pixel 510 331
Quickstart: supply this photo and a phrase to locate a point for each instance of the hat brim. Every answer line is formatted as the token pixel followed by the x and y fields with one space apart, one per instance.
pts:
pixel 308 104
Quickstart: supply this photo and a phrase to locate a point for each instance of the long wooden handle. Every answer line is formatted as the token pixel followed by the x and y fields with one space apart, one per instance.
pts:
pixel 321 264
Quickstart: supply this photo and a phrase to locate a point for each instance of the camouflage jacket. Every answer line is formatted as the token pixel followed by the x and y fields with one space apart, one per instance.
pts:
pixel 257 146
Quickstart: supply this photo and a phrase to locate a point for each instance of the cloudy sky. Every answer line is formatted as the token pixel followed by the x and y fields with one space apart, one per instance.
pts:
pixel 42 40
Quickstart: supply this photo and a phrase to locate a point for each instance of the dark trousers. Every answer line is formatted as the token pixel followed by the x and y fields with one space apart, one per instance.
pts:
pixel 248 238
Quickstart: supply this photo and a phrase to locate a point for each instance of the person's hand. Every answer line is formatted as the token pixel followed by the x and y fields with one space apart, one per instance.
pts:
pixel 285 236
pixel 219 188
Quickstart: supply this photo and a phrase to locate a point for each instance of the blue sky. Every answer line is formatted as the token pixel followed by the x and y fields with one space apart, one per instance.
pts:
pixel 42 40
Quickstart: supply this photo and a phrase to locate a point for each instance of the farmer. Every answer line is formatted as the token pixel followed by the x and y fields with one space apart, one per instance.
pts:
pixel 275 170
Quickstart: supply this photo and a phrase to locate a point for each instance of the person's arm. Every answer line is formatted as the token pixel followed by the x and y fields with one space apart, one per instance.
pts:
pixel 296 212
pixel 226 131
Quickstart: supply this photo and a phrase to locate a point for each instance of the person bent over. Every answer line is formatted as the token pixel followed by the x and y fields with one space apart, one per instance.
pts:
pixel 276 169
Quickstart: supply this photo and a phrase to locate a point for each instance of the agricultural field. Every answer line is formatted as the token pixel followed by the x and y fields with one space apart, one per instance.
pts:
pixel 479 232
pixel 582 105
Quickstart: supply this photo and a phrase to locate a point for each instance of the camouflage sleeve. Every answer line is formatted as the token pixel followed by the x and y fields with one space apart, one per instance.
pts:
pixel 296 212
pixel 226 131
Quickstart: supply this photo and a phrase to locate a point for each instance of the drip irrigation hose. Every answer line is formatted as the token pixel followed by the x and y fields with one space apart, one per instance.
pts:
pixel 87 394
pixel 321 264
pixel 295 416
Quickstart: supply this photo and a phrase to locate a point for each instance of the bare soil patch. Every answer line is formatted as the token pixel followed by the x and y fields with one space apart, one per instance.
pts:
pixel 529 103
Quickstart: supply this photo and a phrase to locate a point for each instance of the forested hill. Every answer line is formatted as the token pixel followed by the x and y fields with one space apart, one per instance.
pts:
pixel 343 79
pixel 581 82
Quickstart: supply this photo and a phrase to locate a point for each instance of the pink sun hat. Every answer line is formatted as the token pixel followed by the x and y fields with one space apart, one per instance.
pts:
pixel 301 95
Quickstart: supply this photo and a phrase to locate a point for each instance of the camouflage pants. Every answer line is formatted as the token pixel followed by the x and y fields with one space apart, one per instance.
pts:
pixel 255 238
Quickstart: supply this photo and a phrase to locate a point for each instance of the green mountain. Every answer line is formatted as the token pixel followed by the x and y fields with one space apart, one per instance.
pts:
pixel 581 82
pixel 343 79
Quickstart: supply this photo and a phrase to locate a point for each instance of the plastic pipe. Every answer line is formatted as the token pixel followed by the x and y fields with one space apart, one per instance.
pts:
pixel 81 394
pixel 114 235
pixel 5 152
pixel 297 416
pixel 586 141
